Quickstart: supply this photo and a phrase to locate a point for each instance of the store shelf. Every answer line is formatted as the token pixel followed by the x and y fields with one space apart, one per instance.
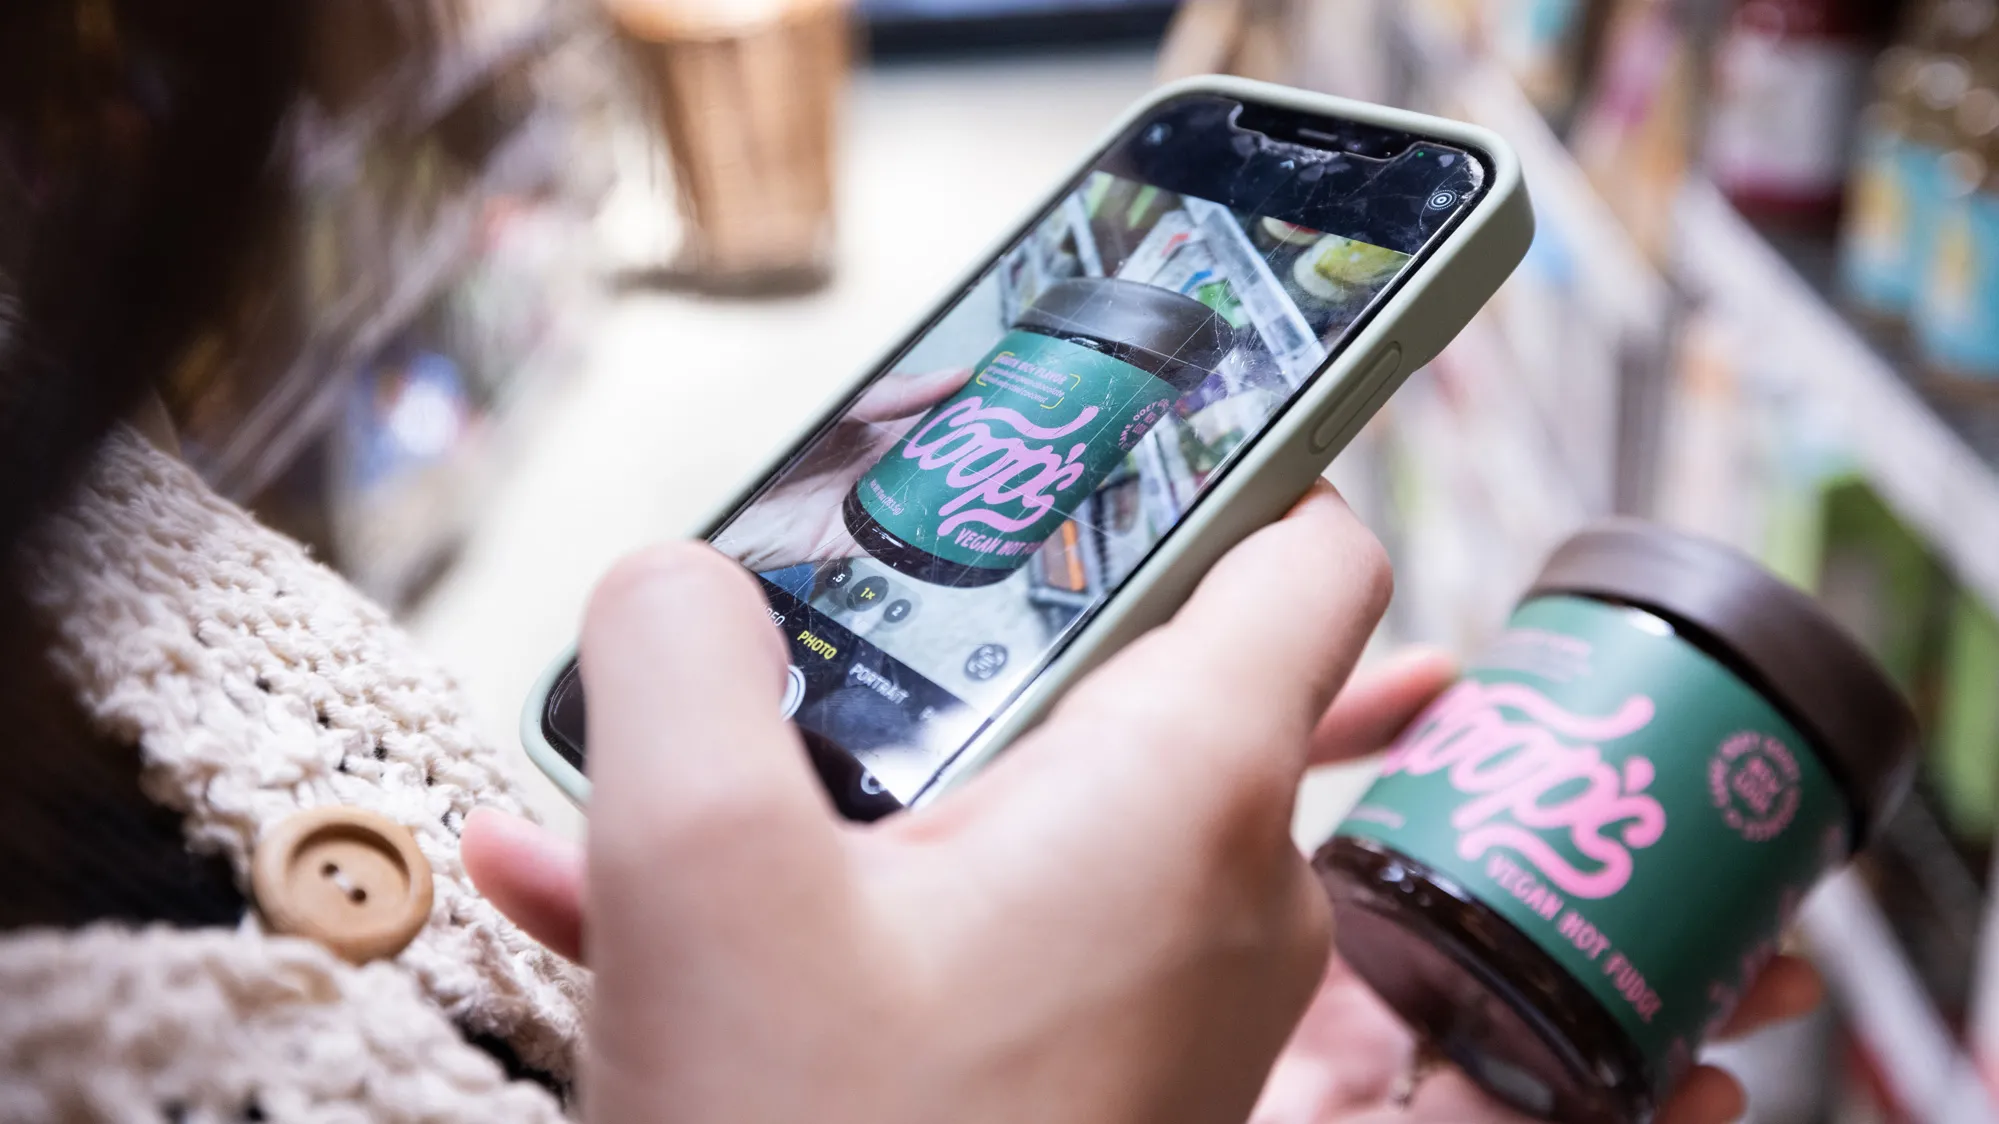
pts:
pixel 307 398
pixel 1478 90
pixel 422 93
pixel 1761 395
pixel 1922 466
pixel 1919 462
pixel 1877 988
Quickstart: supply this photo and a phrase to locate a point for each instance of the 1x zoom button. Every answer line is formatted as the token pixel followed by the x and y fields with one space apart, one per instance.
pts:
pixel 1372 388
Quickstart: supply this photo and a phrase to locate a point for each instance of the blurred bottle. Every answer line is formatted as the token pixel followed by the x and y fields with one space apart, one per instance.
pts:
pixel 747 93
pixel 1635 135
pixel 1897 181
pixel 1955 320
pixel 1547 45
pixel 1790 80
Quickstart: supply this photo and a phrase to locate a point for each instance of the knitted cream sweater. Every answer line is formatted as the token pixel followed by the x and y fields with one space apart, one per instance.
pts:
pixel 256 683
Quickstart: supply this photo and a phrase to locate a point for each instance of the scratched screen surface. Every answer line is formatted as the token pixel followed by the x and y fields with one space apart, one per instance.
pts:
pixel 898 670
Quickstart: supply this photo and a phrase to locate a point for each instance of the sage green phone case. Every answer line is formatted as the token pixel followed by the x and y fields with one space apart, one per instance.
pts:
pixel 1426 310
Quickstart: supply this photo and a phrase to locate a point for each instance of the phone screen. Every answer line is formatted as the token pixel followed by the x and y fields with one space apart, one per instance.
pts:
pixel 937 542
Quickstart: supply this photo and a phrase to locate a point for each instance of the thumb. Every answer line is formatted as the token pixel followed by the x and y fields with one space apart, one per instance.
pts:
pixel 701 795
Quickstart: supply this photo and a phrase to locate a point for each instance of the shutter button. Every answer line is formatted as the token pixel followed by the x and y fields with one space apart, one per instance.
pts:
pixel 351 880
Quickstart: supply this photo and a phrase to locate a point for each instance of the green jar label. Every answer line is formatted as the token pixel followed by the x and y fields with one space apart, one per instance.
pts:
pixel 1626 802
pixel 985 478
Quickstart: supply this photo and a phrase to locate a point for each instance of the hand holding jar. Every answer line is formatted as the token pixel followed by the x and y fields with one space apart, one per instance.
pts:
pixel 1112 925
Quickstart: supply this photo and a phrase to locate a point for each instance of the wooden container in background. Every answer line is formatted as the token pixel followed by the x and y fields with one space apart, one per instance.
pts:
pixel 747 96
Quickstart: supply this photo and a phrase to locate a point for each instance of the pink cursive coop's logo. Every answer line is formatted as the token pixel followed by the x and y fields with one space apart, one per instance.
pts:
pixel 1753 780
pixel 1532 768
pixel 990 455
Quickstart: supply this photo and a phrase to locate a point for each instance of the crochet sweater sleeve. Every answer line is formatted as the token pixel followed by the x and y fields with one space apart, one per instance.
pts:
pixel 256 683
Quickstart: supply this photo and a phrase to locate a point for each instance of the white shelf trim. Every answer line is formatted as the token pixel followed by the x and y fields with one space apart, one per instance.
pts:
pixel 1931 477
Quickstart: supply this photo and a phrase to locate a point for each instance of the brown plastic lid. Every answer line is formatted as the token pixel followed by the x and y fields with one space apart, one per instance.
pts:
pixel 1809 666
pixel 1185 339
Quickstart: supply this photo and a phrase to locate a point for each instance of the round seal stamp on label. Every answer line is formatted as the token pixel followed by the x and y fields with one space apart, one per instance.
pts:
pixel 1753 780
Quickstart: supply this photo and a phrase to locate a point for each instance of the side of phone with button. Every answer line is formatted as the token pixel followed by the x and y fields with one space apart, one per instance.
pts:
pixel 1157 362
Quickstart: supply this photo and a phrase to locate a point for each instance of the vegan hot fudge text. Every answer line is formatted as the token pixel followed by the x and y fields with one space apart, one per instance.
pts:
pixel 1602 831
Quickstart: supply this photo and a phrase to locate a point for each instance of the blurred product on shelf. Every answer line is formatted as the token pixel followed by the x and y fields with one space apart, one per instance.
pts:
pixel 747 94
pixel 1246 37
pixel 1967 723
pixel 1956 317
pixel 1635 135
pixel 440 404
pixel 1898 178
pixel 1547 46
pixel 1693 340
pixel 1928 871
pixel 1790 77
pixel 399 456
pixel 433 142
pixel 1298 42
pixel 1966 735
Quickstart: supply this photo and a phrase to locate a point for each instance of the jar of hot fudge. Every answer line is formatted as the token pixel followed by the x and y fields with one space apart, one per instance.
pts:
pixel 1573 864
pixel 1057 404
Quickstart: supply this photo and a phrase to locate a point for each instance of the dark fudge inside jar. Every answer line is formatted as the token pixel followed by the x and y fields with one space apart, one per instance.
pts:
pixel 1577 860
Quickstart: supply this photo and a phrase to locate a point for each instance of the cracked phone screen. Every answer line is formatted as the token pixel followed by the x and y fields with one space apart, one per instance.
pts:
pixel 930 549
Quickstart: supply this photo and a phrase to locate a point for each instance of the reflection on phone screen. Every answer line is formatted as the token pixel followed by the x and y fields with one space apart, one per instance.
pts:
pixel 931 548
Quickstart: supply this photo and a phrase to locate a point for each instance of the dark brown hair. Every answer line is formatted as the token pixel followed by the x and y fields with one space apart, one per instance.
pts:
pixel 136 136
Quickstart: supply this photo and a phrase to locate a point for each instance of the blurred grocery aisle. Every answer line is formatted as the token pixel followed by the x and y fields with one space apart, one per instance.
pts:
pixel 680 396
pixel 1758 306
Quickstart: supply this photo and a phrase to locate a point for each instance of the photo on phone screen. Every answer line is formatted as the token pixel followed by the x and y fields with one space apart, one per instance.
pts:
pixel 933 546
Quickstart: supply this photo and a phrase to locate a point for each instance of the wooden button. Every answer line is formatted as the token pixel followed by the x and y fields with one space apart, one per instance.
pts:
pixel 351 880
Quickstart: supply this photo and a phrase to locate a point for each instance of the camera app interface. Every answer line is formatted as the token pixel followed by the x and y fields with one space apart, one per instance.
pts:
pixel 930 550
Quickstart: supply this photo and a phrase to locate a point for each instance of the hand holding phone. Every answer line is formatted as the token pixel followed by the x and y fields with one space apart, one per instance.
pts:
pixel 1114 926
pixel 1155 365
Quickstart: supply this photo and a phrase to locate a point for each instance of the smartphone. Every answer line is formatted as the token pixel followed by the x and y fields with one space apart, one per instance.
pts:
pixel 1157 362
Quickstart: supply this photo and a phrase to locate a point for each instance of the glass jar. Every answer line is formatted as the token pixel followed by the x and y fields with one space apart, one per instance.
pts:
pixel 986 477
pixel 1576 861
